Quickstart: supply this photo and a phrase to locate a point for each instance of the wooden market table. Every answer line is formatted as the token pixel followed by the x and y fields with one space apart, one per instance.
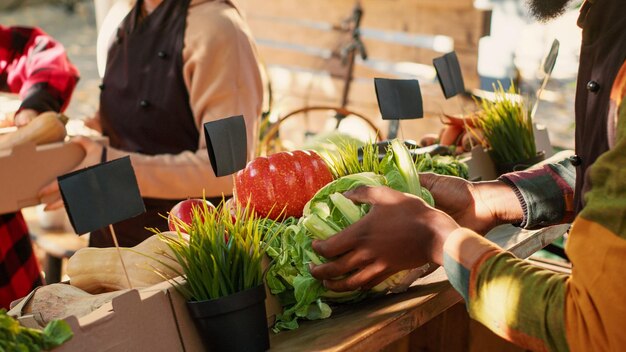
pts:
pixel 376 323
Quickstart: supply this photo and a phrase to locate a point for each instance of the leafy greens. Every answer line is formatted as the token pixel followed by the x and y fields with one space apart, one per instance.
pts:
pixel 327 213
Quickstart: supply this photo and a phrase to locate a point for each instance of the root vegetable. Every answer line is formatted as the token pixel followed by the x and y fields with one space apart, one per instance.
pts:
pixel 59 301
pixel 428 139
pixel 48 127
pixel 450 135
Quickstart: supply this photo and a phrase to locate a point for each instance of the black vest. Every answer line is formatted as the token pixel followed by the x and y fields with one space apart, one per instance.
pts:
pixel 144 103
pixel 602 54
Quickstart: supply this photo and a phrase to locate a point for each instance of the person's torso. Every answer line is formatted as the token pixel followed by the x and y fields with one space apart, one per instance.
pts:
pixel 144 103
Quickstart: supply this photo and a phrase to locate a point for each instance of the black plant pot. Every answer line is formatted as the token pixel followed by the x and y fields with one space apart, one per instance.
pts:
pixel 233 323
pixel 503 168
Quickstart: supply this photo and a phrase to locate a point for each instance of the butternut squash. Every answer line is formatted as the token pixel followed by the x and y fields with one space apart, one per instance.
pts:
pixel 48 127
pixel 97 270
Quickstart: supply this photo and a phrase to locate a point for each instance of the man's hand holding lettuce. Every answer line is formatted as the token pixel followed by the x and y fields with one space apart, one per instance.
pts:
pixel 388 239
pixel 327 213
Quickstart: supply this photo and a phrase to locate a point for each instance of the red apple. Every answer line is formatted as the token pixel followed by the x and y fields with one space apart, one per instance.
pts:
pixel 183 210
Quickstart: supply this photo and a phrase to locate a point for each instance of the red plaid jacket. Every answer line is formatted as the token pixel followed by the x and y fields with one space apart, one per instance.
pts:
pixel 35 66
pixel 19 270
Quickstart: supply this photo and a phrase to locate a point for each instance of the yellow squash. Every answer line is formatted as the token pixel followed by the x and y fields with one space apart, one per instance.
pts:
pixel 97 270
pixel 48 127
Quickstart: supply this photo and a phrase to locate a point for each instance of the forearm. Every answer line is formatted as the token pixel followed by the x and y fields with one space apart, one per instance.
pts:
pixel 39 98
pixel 515 299
pixel 501 200
pixel 169 176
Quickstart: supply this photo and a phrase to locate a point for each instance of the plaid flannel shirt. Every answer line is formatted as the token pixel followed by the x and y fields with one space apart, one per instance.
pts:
pixel 19 270
pixel 34 65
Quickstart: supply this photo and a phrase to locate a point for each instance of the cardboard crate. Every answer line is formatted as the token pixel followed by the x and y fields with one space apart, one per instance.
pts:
pixel 28 168
pixel 147 319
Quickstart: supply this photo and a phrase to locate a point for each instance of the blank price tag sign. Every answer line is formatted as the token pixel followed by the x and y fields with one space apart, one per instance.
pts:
pixel 399 99
pixel 449 74
pixel 227 145
pixel 101 195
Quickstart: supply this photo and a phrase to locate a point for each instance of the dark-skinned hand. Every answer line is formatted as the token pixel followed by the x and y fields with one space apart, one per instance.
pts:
pixel 399 232
pixel 479 206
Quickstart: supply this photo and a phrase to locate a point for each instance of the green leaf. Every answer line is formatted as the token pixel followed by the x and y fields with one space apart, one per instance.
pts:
pixel 405 165
pixel 349 211
pixel 319 228
pixel 318 310
pixel 306 291
pixel 14 337
pixel 56 333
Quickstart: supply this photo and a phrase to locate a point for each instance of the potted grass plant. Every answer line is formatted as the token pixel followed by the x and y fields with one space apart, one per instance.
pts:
pixel 508 129
pixel 221 253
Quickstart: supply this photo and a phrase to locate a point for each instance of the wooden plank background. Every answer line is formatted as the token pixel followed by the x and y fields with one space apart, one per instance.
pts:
pixel 296 41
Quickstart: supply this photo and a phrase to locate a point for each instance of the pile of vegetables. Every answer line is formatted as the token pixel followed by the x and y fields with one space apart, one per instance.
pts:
pixel 281 204
pixel 14 337
pixel 327 213
pixel 342 161
pixel 279 185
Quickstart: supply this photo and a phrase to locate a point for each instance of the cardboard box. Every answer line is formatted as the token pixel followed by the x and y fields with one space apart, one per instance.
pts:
pixel 27 168
pixel 130 322
pixel 148 319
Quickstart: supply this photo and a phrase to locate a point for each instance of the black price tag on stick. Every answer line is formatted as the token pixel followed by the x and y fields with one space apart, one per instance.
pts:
pixel 399 99
pixel 227 144
pixel 101 195
pixel 449 74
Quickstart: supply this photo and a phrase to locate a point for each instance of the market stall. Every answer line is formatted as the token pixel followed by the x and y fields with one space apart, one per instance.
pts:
pixel 258 245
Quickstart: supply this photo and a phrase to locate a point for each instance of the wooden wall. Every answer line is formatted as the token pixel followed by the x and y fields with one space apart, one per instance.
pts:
pixel 296 39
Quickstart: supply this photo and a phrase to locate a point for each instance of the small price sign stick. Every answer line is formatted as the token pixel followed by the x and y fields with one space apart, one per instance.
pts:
pixel 548 66
pixel 119 253
pixel 101 195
